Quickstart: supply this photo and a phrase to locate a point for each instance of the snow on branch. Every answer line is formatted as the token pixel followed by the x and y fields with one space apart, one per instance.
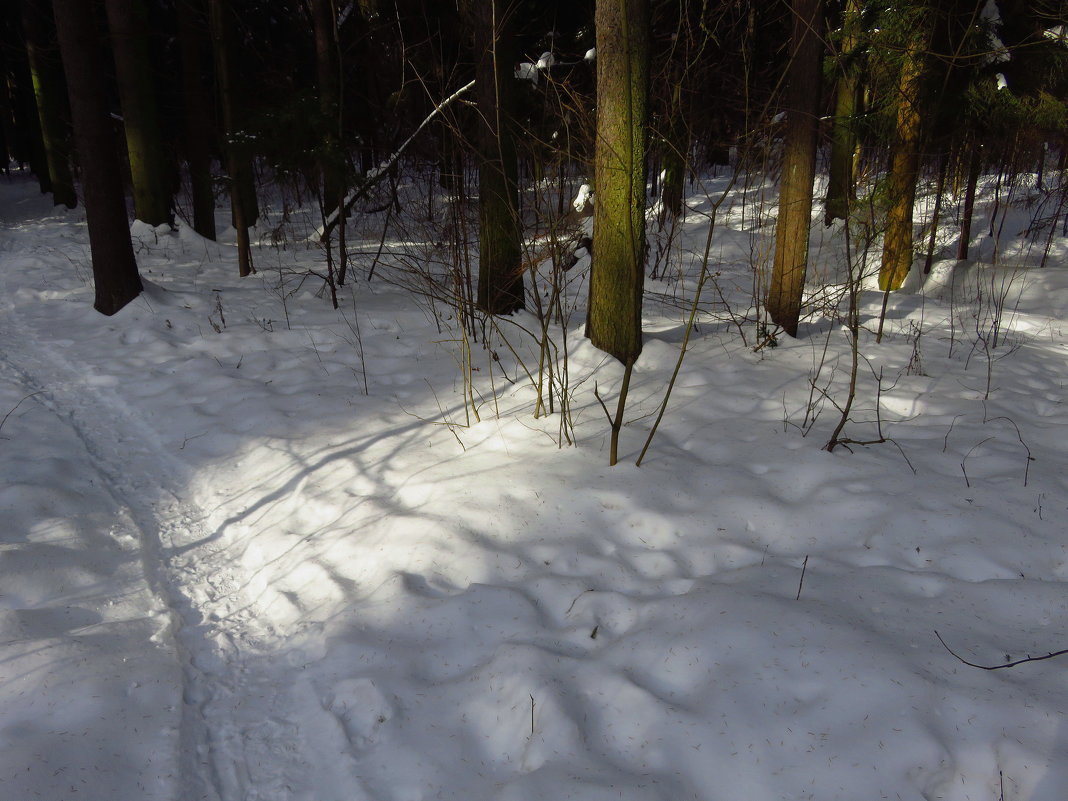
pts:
pixel 374 176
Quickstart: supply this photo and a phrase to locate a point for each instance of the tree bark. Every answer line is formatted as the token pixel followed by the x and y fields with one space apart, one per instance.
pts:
pixel 904 170
pixel 500 247
pixel 328 74
pixel 841 190
pixel 144 143
pixel 676 147
pixel 199 108
pixel 974 168
pixel 618 273
pixel 114 269
pixel 786 291
pixel 50 94
pixel 236 162
pixel 27 141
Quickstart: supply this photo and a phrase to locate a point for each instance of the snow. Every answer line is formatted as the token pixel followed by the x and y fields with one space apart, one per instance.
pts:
pixel 525 71
pixel 583 198
pixel 255 549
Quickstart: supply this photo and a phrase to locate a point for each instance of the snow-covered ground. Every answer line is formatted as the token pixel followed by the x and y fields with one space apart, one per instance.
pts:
pixel 253 548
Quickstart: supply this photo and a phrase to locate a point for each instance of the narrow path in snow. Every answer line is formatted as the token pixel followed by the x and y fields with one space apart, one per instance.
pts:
pixel 250 728
pixel 131 472
pixel 150 484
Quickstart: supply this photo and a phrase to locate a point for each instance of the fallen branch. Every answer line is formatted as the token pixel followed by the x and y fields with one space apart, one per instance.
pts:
pixel 999 667
pixel 17 405
pixel 382 170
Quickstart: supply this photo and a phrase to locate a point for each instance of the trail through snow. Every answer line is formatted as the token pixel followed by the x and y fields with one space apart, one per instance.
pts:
pixel 222 752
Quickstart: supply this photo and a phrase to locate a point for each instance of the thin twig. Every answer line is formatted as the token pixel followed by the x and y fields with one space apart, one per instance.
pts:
pixel 999 667
pixel 804 567
pixel 17 405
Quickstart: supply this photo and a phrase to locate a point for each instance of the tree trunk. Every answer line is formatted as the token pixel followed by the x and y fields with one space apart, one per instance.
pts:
pixel 936 216
pixel 331 163
pixel 236 162
pixel 618 273
pixel 974 167
pixel 904 170
pixel 28 143
pixel 841 181
pixel 50 94
pixel 144 142
pixel 199 108
pixel 114 268
pixel 676 148
pixel 500 248
pixel 799 166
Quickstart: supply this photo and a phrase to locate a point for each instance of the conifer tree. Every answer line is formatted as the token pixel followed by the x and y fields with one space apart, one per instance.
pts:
pixel 840 181
pixel 236 159
pixel 787 287
pixel 149 170
pixel 115 276
pixel 49 92
pixel 500 254
pixel 198 110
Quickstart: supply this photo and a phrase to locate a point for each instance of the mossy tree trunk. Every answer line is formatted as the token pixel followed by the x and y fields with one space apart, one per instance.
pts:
pixel 904 167
pixel 49 91
pixel 199 110
pixel 841 187
pixel 149 168
pixel 500 248
pixel 800 139
pixel 26 141
pixel 618 273
pixel 115 276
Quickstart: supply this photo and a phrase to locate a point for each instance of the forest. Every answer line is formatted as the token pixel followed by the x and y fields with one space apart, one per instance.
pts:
pixel 525 399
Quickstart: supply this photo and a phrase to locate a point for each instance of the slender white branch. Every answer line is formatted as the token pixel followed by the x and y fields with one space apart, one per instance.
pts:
pixel 375 175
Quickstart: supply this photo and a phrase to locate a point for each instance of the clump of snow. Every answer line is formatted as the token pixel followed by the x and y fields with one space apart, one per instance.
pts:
pixel 546 60
pixel 525 71
pixel 583 199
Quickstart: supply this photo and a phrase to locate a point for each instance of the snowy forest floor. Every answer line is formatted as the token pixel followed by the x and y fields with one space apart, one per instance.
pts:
pixel 257 549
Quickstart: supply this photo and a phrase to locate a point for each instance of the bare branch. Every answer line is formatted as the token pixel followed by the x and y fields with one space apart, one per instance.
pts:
pixel 999 667
pixel 380 172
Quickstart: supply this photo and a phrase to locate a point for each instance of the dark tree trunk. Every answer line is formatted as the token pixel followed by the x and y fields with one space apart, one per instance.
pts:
pixel 199 108
pixel 936 216
pixel 114 268
pixel 236 161
pixel 7 114
pixel 618 275
pixel 974 168
pixel 840 183
pixel 904 171
pixel 331 163
pixel 676 147
pixel 500 250
pixel 50 94
pixel 799 166
pixel 27 143
pixel 144 143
